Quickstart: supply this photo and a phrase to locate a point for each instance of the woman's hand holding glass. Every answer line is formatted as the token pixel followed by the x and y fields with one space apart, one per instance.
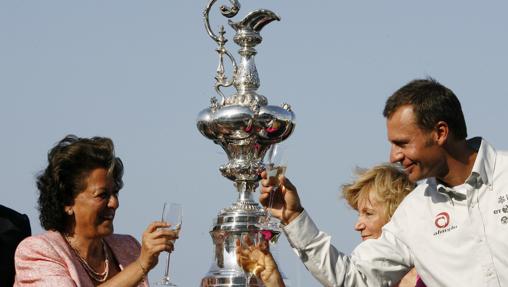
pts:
pixel 156 239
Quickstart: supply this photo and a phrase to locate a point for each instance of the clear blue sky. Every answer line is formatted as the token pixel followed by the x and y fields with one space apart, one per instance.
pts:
pixel 140 71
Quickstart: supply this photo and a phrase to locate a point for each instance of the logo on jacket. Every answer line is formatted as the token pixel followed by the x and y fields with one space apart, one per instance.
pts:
pixel 502 210
pixel 442 221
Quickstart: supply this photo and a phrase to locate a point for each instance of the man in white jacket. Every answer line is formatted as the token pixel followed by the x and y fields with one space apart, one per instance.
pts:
pixel 453 228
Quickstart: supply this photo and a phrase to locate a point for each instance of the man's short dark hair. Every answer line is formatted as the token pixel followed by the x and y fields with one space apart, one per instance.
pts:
pixel 431 102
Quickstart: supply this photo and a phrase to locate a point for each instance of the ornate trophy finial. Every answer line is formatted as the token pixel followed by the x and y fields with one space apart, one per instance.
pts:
pixel 245 126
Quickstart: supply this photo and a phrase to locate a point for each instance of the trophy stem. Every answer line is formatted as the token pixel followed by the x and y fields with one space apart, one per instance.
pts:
pixel 245 191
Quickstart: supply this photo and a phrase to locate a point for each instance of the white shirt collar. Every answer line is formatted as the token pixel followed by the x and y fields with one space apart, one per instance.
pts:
pixel 483 168
pixel 482 172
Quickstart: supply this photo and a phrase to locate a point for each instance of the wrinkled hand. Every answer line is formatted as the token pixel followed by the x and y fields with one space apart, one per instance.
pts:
pixel 258 259
pixel 156 238
pixel 286 204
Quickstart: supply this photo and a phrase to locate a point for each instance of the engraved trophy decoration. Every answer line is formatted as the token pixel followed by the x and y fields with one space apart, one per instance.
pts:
pixel 245 126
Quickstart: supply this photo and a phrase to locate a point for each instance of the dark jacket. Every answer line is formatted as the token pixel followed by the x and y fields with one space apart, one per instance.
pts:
pixel 14 227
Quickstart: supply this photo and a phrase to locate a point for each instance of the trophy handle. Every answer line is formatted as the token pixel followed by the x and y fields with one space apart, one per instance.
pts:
pixel 226 11
pixel 221 80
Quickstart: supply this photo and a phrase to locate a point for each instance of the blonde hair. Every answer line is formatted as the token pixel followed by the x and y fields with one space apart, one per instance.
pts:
pixel 386 183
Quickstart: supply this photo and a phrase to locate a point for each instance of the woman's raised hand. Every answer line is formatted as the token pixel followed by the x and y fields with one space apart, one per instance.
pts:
pixel 156 238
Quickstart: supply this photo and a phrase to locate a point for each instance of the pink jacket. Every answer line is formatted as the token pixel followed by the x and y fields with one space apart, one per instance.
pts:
pixel 46 260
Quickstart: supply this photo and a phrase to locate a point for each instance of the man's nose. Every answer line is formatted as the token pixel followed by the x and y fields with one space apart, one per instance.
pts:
pixel 113 201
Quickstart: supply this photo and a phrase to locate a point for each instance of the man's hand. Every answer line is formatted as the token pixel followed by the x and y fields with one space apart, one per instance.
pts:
pixel 285 203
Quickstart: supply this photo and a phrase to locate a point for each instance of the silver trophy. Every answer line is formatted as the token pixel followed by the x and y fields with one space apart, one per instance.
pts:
pixel 245 126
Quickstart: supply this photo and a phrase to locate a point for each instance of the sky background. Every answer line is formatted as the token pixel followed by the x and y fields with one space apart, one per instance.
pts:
pixel 140 72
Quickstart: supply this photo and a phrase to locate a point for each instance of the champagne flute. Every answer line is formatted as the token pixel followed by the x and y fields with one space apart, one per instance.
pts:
pixel 276 166
pixel 172 214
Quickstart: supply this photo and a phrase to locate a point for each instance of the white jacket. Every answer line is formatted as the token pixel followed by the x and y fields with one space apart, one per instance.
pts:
pixel 453 236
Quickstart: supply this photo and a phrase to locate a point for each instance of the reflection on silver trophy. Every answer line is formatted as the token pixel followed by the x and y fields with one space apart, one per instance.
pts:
pixel 245 126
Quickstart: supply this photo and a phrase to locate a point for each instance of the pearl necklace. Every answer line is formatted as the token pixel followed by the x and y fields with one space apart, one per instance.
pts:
pixel 99 277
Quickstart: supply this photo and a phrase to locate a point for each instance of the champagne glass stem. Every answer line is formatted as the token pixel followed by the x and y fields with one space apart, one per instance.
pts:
pixel 270 203
pixel 166 272
pixel 248 276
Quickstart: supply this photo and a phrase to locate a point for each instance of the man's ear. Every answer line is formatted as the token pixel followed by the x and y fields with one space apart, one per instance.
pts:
pixel 441 132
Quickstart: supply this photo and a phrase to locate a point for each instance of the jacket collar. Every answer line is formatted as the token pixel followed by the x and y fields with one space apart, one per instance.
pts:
pixel 483 168
pixel 481 173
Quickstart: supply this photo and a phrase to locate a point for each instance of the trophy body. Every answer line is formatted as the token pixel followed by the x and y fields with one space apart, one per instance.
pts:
pixel 245 126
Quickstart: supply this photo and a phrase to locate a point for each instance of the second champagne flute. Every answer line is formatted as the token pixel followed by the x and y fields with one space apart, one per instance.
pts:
pixel 172 214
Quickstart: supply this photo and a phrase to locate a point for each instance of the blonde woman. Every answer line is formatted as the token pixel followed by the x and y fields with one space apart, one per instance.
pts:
pixel 375 194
